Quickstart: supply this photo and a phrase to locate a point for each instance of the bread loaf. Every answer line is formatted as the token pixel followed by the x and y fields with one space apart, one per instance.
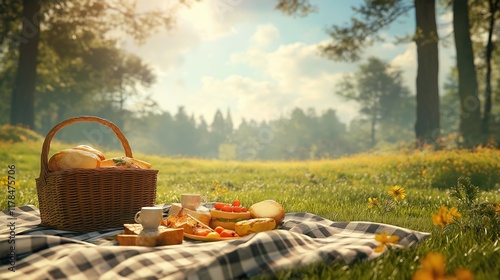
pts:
pixel 170 236
pixel 91 150
pixel 268 209
pixel 147 240
pixel 133 236
pixel 73 158
pixel 254 225
pixel 127 239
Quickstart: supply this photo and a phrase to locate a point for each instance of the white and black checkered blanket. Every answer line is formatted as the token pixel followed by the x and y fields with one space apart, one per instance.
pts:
pixel 303 239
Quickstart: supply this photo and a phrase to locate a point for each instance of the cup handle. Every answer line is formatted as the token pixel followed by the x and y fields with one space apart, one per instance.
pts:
pixel 137 217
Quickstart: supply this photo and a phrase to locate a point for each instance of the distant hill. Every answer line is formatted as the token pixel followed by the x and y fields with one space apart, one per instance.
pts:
pixel 11 133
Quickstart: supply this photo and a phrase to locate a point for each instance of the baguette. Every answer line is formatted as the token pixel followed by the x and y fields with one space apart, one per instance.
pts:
pixel 254 225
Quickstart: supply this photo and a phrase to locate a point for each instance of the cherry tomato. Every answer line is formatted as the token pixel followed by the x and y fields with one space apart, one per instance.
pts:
pixel 236 203
pixel 219 229
pixel 227 233
pixel 203 231
pixel 236 209
pixel 227 208
pixel 243 209
pixel 213 234
pixel 218 205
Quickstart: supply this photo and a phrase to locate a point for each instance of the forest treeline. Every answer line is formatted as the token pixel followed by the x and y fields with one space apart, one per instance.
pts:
pixel 62 58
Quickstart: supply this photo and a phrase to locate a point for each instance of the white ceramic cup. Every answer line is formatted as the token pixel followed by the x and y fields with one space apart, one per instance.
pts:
pixel 191 201
pixel 149 217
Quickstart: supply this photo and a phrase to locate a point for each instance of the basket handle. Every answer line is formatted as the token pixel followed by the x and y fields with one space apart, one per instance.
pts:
pixel 46 143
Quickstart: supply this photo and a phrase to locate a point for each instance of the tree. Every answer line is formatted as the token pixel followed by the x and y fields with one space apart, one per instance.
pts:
pixel 217 132
pixel 348 41
pixel 23 92
pixel 483 18
pixel 103 17
pixel 427 126
pixel 378 90
pixel 494 6
pixel 228 123
pixel 470 116
pixel 330 141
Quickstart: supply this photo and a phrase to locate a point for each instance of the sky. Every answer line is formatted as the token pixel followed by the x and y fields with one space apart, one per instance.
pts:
pixel 247 57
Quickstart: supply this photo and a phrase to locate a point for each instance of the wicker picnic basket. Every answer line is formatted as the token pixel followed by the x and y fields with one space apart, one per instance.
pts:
pixel 82 199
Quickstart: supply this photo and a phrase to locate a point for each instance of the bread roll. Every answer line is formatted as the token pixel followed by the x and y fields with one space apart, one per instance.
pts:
pixel 268 209
pixel 254 225
pixel 73 158
pixel 90 149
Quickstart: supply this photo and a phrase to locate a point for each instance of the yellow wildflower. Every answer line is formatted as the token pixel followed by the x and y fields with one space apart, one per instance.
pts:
pixel 444 217
pixel 463 274
pixel 497 207
pixel 372 202
pixel 219 189
pixel 397 192
pixel 434 267
pixel 424 172
pixel 5 182
pixel 454 212
pixel 385 238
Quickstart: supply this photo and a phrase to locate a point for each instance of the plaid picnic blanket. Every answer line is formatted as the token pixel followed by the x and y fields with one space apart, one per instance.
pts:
pixel 303 239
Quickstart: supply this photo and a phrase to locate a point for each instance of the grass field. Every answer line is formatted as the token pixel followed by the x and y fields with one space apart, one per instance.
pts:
pixel 338 190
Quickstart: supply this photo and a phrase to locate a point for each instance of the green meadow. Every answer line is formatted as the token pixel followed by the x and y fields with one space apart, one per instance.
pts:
pixel 339 190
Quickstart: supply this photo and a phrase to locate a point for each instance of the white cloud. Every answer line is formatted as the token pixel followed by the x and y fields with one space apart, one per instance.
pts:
pixel 294 75
pixel 265 35
pixel 407 62
pixel 194 25
pixel 262 79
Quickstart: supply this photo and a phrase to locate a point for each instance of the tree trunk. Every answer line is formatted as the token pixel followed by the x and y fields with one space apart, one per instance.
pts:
pixel 23 93
pixel 470 117
pixel 485 125
pixel 427 127
pixel 372 131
